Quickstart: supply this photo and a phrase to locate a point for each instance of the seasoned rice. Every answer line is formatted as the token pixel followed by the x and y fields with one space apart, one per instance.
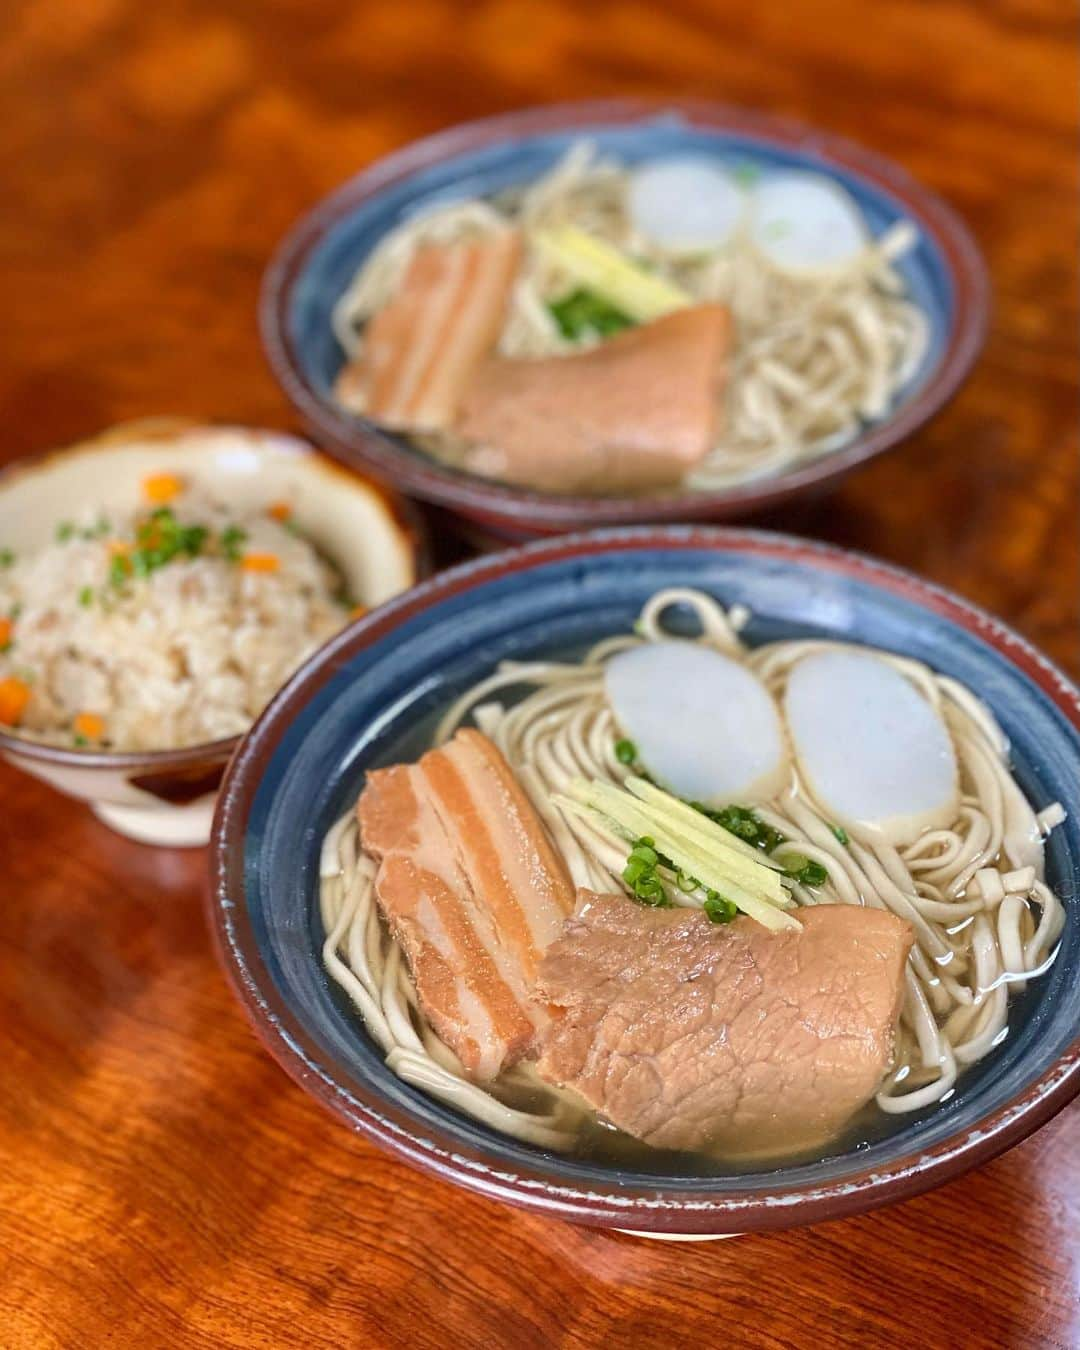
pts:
pixel 187 653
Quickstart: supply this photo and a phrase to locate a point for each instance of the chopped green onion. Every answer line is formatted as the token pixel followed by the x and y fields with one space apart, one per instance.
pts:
pixel 192 539
pixel 686 884
pixel 158 540
pixel 744 824
pixel 80 740
pixel 583 313
pixel 719 910
pixel 841 834
pixel 86 595
pixel 64 530
pixel 7 557
pixel 650 890
pixel 640 873
pixel 625 751
pixel 233 539
pixel 803 869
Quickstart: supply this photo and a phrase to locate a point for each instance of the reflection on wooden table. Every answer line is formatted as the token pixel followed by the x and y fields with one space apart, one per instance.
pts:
pixel 163 1182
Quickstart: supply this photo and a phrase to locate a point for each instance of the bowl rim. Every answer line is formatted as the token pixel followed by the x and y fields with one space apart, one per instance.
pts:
pixel 360 442
pixel 601 1202
pixel 401 516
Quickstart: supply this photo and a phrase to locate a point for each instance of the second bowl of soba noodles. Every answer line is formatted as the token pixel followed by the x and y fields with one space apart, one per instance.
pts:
pixel 727 862
pixel 583 314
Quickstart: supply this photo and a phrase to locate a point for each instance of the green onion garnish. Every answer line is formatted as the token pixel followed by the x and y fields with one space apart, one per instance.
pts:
pixel 801 868
pixel 813 874
pixel 640 873
pixel 233 539
pixel 841 834
pixel 717 909
pixel 744 824
pixel 7 557
pixel 119 570
pixel 64 530
pixel 583 313
pixel 158 540
pixel 86 595
pixel 625 751
pixel 650 891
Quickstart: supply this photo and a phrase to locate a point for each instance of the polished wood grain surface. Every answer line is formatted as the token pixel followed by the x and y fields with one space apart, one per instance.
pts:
pixel 161 1181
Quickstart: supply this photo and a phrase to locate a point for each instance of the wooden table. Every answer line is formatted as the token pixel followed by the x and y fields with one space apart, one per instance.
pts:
pixel 161 1181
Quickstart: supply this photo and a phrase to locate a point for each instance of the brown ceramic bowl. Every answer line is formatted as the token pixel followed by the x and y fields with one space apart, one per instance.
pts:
pixel 313 266
pixel 167 796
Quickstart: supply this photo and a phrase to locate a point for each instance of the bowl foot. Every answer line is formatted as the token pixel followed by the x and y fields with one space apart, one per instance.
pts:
pixel 167 826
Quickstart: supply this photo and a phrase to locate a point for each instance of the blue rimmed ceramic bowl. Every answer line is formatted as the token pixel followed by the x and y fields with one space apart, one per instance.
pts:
pixel 314 265
pixel 369 698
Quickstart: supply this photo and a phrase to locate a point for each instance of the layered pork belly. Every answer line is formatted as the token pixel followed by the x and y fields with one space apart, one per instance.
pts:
pixel 472 889
pixel 638 411
pixel 421 348
pixel 691 1035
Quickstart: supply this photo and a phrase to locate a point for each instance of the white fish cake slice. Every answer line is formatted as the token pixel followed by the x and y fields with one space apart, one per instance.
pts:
pixel 705 726
pixel 804 221
pixel 686 203
pixel 878 759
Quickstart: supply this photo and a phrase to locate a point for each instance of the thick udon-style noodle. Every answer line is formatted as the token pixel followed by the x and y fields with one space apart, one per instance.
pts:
pixel 984 920
pixel 818 353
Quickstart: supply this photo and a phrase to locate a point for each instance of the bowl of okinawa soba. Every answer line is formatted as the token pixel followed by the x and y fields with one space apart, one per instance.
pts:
pixel 622 311
pixel 158 584
pixel 680 880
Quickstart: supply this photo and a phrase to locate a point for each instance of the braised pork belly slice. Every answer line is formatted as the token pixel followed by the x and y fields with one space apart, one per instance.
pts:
pixel 421 348
pixel 637 411
pixel 693 1035
pixel 472 889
